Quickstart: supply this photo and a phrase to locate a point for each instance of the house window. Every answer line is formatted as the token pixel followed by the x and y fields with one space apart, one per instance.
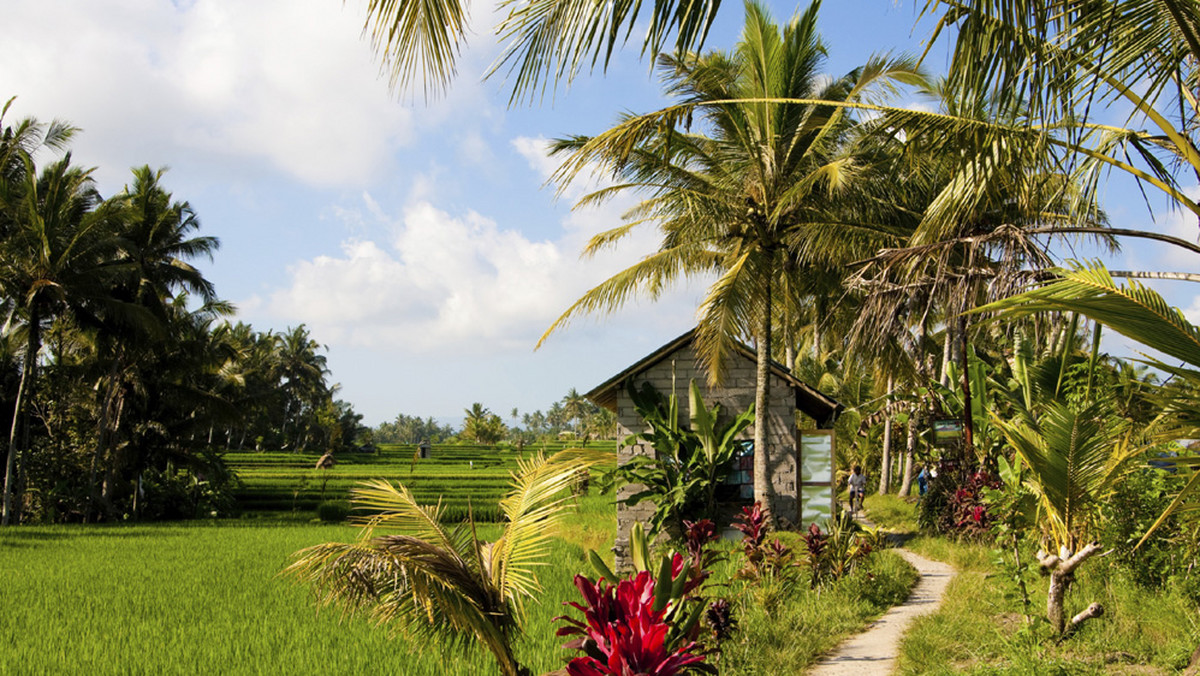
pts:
pixel 741 480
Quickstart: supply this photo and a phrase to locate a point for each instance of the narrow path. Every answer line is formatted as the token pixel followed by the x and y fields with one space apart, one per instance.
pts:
pixel 874 651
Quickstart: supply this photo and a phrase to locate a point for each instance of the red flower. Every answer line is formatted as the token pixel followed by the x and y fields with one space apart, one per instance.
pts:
pixel 622 633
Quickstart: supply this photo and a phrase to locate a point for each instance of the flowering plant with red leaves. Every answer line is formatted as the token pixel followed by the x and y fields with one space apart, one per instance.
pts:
pixel 625 631
pixel 762 559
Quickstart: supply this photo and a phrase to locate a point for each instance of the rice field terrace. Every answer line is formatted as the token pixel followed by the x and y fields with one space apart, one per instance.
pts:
pixel 461 476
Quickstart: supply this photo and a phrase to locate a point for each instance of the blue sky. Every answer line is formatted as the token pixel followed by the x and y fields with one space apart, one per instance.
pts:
pixel 416 241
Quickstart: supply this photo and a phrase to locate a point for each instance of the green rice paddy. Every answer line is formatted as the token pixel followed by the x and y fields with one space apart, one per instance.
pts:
pixel 458 475
pixel 206 599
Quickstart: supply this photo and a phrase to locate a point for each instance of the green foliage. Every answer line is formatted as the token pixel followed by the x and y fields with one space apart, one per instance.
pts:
pixel 688 464
pixel 837 552
pixel 443 583
pixel 333 511
pixel 798 624
pixel 979 628
pixel 1171 554
pixel 1074 458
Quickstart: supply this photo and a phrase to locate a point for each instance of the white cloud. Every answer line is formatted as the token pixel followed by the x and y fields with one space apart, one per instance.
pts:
pixel 1183 224
pixel 442 280
pixel 285 83
pixel 459 282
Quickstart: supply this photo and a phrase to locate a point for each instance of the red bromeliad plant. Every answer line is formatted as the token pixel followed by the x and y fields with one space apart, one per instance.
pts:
pixel 625 631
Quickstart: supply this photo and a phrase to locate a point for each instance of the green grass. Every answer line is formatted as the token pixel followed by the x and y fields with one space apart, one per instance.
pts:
pixel 783 631
pixel 205 598
pixel 892 512
pixel 980 628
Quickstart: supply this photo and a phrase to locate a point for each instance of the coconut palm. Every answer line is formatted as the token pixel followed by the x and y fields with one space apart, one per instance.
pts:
pixel 1075 457
pixel 153 241
pixel 1142 315
pixel 753 199
pixel 545 40
pixel 50 263
pixel 575 407
pixel 158 240
pixel 1066 64
pixel 446 583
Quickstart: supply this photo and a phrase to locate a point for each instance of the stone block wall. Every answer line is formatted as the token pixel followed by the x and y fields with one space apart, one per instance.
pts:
pixel 674 372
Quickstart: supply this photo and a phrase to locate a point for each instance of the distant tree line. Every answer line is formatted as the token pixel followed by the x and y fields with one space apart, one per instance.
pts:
pixel 573 416
pixel 407 429
pixel 120 377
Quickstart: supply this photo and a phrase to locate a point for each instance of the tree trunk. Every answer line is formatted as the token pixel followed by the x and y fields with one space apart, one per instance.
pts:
pixel 947 357
pixel 762 397
pixel 885 464
pixel 1062 574
pixel 968 420
pixel 909 450
pixel 114 465
pixel 20 418
pixel 102 439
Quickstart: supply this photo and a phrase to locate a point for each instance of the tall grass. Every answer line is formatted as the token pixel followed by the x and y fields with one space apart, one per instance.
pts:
pixel 205 598
pixel 980 628
pixel 784 630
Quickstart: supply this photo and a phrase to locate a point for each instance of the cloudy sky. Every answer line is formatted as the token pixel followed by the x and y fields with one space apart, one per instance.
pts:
pixel 416 240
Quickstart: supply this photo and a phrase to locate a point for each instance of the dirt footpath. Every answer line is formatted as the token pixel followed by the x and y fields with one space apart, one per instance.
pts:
pixel 874 651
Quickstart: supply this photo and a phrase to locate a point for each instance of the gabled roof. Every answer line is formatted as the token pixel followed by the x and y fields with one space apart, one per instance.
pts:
pixel 809 400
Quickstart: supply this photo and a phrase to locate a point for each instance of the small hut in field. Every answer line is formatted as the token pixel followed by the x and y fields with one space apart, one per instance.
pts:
pixel 799 463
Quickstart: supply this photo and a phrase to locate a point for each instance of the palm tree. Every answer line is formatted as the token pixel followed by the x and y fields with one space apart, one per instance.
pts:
pixel 1060 65
pixel 574 405
pixel 545 40
pixel 153 243
pixel 447 583
pixel 1142 315
pixel 158 241
pixel 51 262
pixel 302 371
pixel 755 200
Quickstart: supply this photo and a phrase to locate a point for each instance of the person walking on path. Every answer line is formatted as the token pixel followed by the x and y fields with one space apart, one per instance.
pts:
pixel 858 486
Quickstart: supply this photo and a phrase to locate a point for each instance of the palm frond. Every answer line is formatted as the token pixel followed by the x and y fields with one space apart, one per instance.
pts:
pixel 1133 311
pixel 395 507
pixel 535 506
pixel 1074 458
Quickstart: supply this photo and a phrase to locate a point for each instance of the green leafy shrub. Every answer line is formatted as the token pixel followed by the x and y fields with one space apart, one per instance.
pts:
pixel 839 551
pixel 333 511
pixel 1135 504
pixel 691 463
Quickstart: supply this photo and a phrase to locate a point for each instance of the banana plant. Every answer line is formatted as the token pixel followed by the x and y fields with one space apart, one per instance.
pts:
pixel 688 464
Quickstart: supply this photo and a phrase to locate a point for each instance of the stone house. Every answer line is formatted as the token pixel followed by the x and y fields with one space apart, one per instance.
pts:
pixel 671 368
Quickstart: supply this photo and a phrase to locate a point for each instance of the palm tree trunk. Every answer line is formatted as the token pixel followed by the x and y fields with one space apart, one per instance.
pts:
pixel 885 463
pixel 115 464
pixel 968 421
pixel 104 433
pixel 762 397
pixel 28 377
pixel 947 356
pixel 909 450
